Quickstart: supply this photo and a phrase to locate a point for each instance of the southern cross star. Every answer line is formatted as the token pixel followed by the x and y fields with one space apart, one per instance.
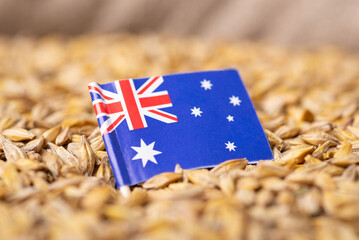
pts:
pixel 206 84
pixel 146 153
pixel 230 118
pixel 196 111
pixel 235 100
pixel 230 146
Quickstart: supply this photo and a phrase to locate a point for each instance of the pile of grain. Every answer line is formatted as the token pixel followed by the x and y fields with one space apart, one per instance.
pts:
pixel 55 178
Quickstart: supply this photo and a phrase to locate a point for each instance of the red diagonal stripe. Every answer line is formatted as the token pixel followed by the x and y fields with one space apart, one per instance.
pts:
pixel 99 92
pixel 148 85
pixel 164 115
pixel 109 108
pixel 131 105
pixel 115 123
pixel 155 100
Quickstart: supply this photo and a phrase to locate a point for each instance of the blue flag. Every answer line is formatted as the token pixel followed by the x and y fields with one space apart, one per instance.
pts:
pixel 197 120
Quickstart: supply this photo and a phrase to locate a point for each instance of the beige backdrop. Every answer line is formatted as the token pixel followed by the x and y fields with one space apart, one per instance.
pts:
pixel 302 22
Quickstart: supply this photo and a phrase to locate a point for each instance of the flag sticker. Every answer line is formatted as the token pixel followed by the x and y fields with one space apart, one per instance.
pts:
pixel 197 120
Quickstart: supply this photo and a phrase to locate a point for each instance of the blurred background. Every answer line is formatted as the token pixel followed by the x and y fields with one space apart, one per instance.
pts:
pixel 283 22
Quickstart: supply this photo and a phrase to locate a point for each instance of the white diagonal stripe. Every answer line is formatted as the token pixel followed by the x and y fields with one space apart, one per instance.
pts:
pixel 153 87
pixel 161 118
pixel 103 91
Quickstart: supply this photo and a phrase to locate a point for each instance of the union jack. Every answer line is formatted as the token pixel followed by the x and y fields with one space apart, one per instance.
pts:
pixel 131 104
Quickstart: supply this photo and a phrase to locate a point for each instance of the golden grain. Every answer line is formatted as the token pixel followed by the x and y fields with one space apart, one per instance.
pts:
pixel 56 180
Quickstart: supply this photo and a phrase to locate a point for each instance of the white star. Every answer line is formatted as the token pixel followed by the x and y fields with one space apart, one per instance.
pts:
pixel 146 153
pixel 196 111
pixel 206 84
pixel 230 146
pixel 230 118
pixel 235 100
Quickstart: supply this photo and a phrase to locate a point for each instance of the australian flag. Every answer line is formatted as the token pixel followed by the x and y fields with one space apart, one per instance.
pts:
pixel 196 120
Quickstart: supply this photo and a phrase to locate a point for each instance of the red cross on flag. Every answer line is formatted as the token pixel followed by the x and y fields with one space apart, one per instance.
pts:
pixel 131 105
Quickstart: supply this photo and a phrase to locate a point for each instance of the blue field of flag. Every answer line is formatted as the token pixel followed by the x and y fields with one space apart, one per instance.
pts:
pixel 197 120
